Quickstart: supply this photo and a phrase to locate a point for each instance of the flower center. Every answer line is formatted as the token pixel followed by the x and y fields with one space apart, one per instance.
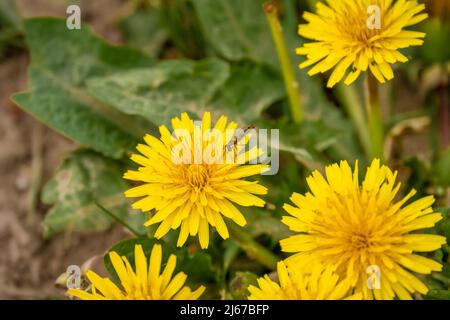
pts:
pixel 360 241
pixel 197 175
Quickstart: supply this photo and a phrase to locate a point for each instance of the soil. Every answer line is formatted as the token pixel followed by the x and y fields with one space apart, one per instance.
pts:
pixel 29 153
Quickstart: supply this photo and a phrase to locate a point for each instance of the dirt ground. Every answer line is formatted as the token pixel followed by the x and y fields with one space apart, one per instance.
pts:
pixel 29 153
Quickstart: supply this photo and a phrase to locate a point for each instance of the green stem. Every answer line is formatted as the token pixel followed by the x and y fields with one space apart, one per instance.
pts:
pixel 376 129
pixel 348 96
pixel 120 221
pixel 290 82
pixel 252 248
pixel 444 115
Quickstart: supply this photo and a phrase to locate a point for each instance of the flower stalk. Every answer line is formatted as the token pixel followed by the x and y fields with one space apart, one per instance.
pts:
pixel 290 81
pixel 118 220
pixel 349 98
pixel 252 248
pixel 444 115
pixel 375 125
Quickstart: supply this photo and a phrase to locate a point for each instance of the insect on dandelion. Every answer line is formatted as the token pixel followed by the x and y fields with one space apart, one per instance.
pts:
pixel 314 282
pixel 342 39
pixel 193 195
pixel 354 227
pixel 146 282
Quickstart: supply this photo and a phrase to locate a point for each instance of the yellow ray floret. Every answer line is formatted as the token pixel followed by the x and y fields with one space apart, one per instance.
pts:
pixel 146 282
pixel 301 282
pixel 357 227
pixel 202 184
pixel 351 37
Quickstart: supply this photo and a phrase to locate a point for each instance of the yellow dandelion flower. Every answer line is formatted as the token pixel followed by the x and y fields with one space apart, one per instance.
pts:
pixel 359 228
pixel 346 36
pixel 301 283
pixel 145 283
pixel 195 194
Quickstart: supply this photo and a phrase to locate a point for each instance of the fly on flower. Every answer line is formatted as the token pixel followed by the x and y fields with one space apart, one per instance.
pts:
pixel 240 138
pixel 343 41
pixel 195 193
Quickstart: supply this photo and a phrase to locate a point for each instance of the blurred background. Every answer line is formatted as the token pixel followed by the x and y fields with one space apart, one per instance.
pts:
pixel 30 152
pixel 170 29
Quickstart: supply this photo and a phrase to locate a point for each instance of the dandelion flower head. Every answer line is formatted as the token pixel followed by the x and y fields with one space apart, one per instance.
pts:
pixel 301 283
pixel 354 36
pixel 146 282
pixel 357 227
pixel 201 189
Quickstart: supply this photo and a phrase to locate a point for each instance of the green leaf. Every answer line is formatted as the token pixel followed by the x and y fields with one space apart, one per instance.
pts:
pixel 230 252
pixel 180 21
pixel 443 226
pixel 143 30
pixel 76 55
pixel 250 89
pixel 418 178
pixel 263 223
pixel 305 141
pixel 84 178
pixel 438 295
pixel 319 109
pixel 315 134
pixel 62 61
pixel 163 91
pixel 73 118
pixel 435 49
pixel 239 285
pixel 237 29
pixel 198 265
pixel 241 92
